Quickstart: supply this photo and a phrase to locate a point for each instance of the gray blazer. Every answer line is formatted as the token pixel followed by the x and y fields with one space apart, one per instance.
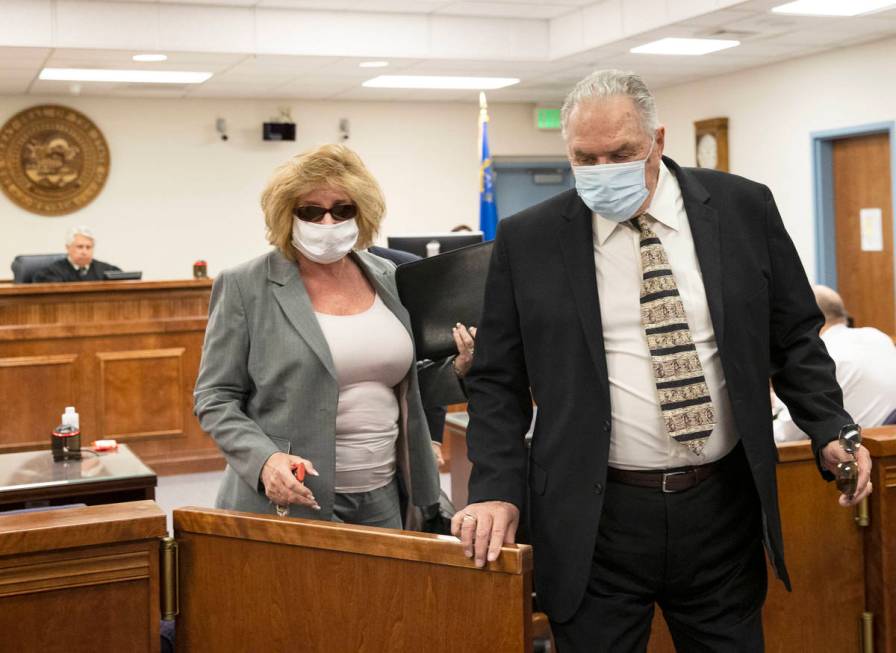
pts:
pixel 267 383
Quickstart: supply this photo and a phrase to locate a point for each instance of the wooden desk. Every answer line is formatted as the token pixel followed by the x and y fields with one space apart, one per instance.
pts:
pixel 81 580
pixel 32 478
pixel 124 353
pixel 459 466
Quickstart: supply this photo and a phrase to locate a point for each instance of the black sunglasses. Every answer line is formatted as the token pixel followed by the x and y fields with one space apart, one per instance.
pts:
pixel 339 212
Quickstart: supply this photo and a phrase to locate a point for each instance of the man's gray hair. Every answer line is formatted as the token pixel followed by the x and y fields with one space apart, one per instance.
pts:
pixel 80 230
pixel 609 83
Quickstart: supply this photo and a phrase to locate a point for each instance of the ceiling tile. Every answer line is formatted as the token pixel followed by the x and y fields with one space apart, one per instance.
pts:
pixel 506 9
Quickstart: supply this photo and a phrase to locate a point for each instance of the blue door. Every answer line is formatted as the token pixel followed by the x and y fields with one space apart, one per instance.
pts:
pixel 521 184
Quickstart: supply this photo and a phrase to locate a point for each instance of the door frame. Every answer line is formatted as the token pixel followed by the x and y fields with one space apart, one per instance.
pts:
pixel 823 193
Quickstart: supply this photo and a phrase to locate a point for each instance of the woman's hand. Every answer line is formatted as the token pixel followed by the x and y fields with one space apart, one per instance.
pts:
pixel 437 453
pixel 465 340
pixel 280 484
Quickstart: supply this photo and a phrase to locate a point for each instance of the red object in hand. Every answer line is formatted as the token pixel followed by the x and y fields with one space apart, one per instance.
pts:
pixel 298 471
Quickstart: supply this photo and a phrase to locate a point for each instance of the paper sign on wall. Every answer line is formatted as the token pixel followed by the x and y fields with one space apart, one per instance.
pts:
pixel 871 221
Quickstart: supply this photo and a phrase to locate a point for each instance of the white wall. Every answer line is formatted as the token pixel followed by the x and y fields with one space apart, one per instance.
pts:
pixel 772 111
pixel 177 193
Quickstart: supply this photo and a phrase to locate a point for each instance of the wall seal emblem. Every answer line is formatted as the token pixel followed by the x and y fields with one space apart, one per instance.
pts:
pixel 53 160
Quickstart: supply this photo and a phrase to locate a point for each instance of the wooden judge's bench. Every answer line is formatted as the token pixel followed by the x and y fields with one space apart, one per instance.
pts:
pixel 124 353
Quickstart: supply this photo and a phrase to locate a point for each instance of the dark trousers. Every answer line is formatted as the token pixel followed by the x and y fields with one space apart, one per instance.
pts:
pixel 697 554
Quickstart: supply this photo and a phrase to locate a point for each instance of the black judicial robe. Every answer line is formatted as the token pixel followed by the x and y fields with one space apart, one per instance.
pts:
pixel 62 271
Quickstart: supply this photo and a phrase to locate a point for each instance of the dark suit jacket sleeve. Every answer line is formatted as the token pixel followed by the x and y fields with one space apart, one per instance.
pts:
pixel 803 373
pixel 498 387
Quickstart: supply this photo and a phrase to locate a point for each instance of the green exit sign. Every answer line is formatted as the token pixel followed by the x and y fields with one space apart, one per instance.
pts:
pixel 547 118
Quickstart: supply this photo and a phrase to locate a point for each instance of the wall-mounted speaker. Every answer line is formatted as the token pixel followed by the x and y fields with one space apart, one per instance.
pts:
pixel 279 131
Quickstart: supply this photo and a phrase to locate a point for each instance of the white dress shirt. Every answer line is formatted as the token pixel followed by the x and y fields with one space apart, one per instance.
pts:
pixel 866 371
pixel 639 439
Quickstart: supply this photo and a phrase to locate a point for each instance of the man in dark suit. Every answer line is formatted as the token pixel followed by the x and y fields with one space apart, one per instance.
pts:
pixel 79 264
pixel 644 313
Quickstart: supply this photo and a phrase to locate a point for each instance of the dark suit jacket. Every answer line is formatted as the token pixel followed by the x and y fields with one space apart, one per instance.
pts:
pixel 62 271
pixel 541 329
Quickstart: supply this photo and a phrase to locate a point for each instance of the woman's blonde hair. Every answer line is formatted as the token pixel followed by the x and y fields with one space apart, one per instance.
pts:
pixel 333 166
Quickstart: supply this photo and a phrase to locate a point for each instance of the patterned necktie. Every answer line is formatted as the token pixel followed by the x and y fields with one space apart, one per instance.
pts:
pixel 82 272
pixel 681 387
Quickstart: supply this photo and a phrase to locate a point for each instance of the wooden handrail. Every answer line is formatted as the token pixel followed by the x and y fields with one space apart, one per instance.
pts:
pixel 66 528
pixel 24 289
pixel 880 441
pixel 380 542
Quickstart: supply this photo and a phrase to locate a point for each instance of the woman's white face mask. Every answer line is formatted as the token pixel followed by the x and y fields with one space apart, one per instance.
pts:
pixel 324 243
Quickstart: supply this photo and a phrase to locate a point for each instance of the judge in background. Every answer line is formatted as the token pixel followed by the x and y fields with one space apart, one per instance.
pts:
pixel 79 264
pixel 308 359
pixel 644 313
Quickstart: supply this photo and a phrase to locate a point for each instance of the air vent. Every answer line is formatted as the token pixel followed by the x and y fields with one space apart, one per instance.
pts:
pixel 730 34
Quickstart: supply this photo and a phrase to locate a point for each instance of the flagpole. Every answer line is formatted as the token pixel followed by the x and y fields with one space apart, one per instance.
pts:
pixel 483 118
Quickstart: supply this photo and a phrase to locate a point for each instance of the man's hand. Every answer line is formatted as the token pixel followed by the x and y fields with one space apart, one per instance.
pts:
pixel 280 484
pixel 833 453
pixel 484 527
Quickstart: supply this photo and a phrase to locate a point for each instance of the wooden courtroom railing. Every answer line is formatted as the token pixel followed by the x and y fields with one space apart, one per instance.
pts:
pixel 81 580
pixel 124 353
pixel 842 566
pixel 263 583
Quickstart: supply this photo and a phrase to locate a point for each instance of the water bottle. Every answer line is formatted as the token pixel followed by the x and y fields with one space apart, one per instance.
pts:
pixel 66 439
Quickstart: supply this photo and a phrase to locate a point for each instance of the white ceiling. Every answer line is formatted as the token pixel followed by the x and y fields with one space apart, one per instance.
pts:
pixel 311 49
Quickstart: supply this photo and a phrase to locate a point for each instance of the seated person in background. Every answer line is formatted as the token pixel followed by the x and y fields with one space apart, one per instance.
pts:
pixel 866 368
pixel 79 265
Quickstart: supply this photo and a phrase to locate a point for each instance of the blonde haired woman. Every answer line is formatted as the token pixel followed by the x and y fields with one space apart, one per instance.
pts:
pixel 308 358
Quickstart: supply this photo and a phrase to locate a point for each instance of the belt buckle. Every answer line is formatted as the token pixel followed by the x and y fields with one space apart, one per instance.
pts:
pixel 666 475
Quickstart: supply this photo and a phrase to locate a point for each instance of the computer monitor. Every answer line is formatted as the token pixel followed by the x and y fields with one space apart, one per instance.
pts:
pixel 434 243
pixel 121 275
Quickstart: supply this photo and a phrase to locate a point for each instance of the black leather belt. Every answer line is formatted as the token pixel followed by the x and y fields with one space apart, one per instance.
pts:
pixel 669 481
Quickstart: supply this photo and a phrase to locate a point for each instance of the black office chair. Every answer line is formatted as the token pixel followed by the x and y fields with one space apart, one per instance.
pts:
pixel 25 266
pixel 891 419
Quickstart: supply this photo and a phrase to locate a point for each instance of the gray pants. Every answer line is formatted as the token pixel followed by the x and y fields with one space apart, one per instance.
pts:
pixel 379 507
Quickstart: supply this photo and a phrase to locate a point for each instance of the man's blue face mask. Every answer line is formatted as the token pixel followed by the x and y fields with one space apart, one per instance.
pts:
pixel 614 190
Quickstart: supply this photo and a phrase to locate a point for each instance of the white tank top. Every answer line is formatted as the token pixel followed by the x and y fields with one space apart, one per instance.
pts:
pixel 372 353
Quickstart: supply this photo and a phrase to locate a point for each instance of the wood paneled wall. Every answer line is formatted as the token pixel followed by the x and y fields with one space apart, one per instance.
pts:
pixel 125 354
pixel 81 580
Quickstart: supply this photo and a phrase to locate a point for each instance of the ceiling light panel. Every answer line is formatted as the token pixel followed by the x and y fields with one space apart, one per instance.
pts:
pixel 833 7
pixel 150 58
pixel 440 82
pixel 686 47
pixel 124 76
